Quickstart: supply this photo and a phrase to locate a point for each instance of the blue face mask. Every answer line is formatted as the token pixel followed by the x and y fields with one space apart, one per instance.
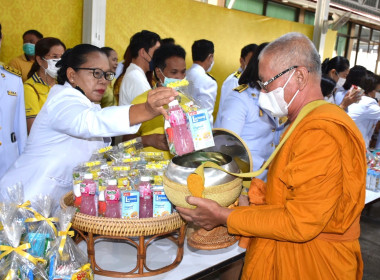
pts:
pixel 169 80
pixel 29 49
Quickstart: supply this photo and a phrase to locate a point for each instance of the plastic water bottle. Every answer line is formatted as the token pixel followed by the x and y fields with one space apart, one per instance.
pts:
pixel 88 189
pixel 183 142
pixel 146 198
pixel 112 195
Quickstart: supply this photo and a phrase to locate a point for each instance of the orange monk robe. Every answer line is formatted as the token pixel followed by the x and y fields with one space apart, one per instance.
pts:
pixel 309 227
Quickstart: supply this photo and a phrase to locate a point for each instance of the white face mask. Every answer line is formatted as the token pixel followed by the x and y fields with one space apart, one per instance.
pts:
pixel 340 82
pixel 377 95
pixel 52 70
pixel 212 64
pixel 329 99
pixel 274 101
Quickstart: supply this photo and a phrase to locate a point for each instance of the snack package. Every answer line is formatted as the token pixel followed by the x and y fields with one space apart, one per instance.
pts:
pixel 177 130
pixel 65 258
pixel 201 131
pixel 44 231
pixel 16 262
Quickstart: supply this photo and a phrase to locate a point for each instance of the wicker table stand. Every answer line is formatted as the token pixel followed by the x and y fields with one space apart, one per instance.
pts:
pixel 92 229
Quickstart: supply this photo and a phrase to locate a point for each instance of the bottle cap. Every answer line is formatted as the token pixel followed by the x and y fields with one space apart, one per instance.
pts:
pixel 145 178
pixel 112 182
pixel 88 175
pixel 173 103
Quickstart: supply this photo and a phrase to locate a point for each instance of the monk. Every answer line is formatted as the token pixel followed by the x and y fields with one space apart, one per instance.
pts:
pixel 307 224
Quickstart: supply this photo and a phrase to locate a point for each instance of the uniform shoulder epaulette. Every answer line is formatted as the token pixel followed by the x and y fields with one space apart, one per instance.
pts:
pixel 12 70
pixel 241 88
pixel 210 76
pixel 237 74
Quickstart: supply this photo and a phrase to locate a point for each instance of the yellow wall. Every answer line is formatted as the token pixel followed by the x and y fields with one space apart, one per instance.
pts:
pixel 188 20
pixel 53 18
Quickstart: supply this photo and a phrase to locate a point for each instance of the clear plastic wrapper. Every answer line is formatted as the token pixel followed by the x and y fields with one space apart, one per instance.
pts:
pixel 16 262
pixel 183 87
pixel 152 156
pixel 45 231
pixel 16 195
pixel 65 258
pixel 131 147
pixel 106 153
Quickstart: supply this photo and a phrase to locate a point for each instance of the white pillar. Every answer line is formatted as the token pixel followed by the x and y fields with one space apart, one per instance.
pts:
pixel 94 22
pixel 321 25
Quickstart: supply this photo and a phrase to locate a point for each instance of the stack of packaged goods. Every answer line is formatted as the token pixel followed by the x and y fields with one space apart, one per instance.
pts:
pixel 373 171
pixel 188 128
pixel 122 182
pixel 29 239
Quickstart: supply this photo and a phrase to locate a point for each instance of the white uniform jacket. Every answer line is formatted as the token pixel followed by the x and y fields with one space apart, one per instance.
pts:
pixel 259 129
pixel 366 114
pixel 203 88
pixel 68 129
pixel 228 86
pixel 12 118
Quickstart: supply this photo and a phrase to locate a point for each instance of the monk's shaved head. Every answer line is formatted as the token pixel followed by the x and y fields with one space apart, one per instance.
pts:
pixel 293 49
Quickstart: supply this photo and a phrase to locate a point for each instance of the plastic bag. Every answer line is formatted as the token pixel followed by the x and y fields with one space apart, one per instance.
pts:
pixel 15 262
pixel 65 257
pixel 44 231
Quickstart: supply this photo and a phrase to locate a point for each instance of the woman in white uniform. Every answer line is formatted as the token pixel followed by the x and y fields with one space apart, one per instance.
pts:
pixel 70 126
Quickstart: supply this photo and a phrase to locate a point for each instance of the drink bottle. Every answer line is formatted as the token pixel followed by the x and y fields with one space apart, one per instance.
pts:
pixel 183 142
pixel 88 189
pixel 112 195
pixel 146 198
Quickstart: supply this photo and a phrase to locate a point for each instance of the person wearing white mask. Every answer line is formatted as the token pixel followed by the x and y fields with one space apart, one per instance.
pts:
pixel 203 87
pixel 42 76
pixel 71 126
pixel 304 223
pixel 337 69
pixel 232 81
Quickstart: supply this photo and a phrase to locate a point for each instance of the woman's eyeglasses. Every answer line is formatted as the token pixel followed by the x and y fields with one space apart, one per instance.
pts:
pixel 99 73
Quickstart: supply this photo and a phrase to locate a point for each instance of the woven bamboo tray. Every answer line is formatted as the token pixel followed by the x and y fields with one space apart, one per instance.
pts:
pixel 122 227
pixel 93 229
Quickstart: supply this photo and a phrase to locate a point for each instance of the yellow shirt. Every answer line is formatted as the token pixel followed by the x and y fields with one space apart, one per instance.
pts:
pixel 156 125
pixel 108 98
pixel 22 64
pixel 36 92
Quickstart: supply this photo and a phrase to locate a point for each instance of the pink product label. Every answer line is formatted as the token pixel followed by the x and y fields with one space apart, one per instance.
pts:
pixel 112 195
pixel 145 191
pixel 177 117
pixel 88 189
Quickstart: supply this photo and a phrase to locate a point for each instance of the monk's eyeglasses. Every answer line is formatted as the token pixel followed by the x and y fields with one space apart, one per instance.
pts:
pixel 99 73
pixel 264 85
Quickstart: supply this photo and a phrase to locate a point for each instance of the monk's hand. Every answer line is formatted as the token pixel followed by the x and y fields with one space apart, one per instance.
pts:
pixel 157 98
pixel 207 214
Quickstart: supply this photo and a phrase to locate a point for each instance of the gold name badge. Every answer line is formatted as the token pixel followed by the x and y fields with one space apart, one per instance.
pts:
pixel 12 93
